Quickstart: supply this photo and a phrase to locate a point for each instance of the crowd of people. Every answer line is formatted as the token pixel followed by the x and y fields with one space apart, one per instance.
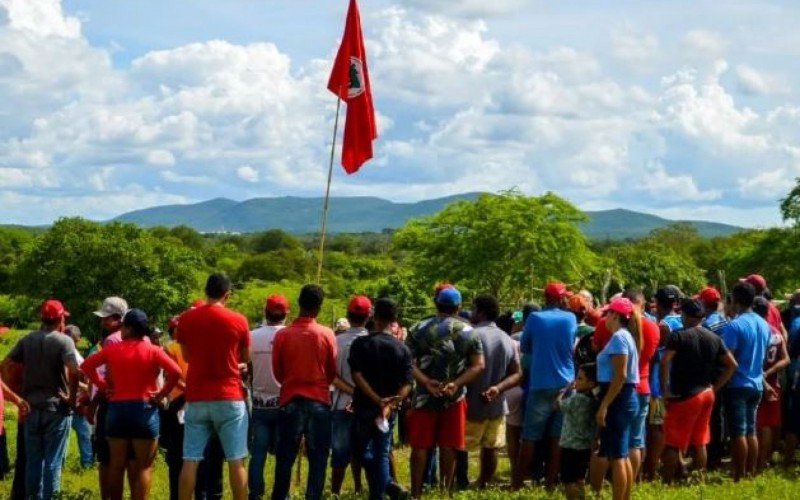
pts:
pixel 575 392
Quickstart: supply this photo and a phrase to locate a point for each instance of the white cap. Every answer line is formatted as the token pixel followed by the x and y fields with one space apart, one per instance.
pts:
pixel 112 306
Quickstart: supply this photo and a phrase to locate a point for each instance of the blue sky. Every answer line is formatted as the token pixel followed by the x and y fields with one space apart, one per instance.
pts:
pixel 686 109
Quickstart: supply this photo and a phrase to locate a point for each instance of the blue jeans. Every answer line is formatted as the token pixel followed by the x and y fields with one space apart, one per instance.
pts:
pixel 84 434
pixel 741 405
pixel 615 437
pixel 46 436
pixel 373 447
pixel 341 423
pixel 312 419
pixel 264 436
pixel 542 418
pixel 227 419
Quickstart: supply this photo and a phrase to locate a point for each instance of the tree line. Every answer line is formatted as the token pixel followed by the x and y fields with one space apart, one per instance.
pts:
pixel 507 244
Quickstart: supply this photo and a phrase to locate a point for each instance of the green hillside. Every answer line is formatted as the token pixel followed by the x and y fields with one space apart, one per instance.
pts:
pixel 367 214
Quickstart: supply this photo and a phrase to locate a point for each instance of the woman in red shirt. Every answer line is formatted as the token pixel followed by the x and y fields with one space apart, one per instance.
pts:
pixel 132 420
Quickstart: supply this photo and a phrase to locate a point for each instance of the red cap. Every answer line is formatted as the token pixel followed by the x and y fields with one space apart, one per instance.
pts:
pixel 556 290
pixel 360 305
pixel 278 303
pixel 622 306
pixel 441 286
pixel 198 303
pixel 758 282
pixel 53 310
pixel 709 295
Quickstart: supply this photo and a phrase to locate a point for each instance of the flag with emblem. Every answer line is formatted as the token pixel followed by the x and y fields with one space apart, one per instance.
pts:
pixel 350 81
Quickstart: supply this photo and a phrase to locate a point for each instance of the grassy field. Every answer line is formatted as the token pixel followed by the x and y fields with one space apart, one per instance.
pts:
pixel 776 484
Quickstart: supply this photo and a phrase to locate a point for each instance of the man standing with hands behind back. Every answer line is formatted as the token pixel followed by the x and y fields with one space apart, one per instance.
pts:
pixel 447 356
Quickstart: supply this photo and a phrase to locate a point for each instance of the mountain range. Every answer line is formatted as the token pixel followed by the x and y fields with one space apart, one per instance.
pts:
pixel 368 214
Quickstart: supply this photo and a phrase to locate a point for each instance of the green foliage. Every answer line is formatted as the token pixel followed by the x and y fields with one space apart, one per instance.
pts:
pixel 180 234
pixel 773 253
pixel 18 311
pixel 13 243
pixel 276 265
pixel 81 262
pixel 649 264
pixel 250 301
pixel 505 244
pixel 790 206
pixel 274 239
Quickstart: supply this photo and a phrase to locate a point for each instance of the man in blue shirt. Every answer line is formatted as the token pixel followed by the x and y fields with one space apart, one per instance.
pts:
pixel 547 343
pixel 747 338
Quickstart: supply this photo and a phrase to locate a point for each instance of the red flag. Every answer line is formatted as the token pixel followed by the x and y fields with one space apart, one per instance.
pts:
pixel 350 81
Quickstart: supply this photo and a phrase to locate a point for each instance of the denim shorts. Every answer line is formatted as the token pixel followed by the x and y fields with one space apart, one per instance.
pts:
pixel 132 420
pixel 615 437
pixel 542 419
pixel 341 423
pixel 227 419
pixel 639 424
pixel 741 405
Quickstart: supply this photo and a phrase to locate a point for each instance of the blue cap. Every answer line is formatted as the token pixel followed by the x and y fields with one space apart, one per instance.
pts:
pixel 449 297
pixel 136 319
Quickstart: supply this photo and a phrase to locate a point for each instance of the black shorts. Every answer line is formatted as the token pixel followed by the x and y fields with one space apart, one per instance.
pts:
pixel 574 464
pixel 100 442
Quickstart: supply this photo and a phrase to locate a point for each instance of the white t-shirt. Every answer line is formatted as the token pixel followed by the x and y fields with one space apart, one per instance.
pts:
pixel 265 388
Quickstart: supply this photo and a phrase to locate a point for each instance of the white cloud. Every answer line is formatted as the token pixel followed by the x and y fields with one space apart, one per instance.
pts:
pixel 470 8
pixel 630 46
pixel 767 185
pixel 754 82
pixel 704 43
pixel 160 158
pixel 663 186
pixel 247 173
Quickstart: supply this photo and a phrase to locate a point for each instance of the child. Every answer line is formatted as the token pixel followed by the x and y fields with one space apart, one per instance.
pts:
pixel 578 432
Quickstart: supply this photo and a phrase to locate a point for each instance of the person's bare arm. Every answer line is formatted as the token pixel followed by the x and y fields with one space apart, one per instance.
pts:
pixel 476 366
pixel 342 385
pixel 730 365
pixel 13 398
pixel 620 367
pixel 663 370
pixel 513 378
pixel 433 386
pixel 783 361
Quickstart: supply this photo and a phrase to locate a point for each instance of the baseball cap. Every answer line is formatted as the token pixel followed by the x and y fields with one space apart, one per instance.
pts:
pixel 449 297
pixel 556 290
pixel 709 295
pixel 360 305
pixel 112 306
pixel 669 294
pixel 758 282
pixel 578 303
pixel 621 306
pixel 278 303
pixel 136 319
pixel 694 308
pixel 53 310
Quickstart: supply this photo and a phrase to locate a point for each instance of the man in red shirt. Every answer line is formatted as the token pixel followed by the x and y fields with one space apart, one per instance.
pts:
pixel 214 341
pixel 304 364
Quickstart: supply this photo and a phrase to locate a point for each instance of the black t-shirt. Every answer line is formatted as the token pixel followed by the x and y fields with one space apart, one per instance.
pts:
pixel 698 357
pixel 384 362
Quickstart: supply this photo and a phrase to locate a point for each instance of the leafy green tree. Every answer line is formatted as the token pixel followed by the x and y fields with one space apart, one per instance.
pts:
pixel 82 262
pixel 183 234
pixel 506 244
pixel 648 264
pixel 13 244
pixel 277 265
pixel 790 206
pixel 274 239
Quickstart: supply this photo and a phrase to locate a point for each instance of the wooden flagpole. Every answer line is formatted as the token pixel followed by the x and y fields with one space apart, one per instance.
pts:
pixel 324 229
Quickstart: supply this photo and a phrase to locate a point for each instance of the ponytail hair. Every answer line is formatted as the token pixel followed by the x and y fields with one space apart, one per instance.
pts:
pixel 634 326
